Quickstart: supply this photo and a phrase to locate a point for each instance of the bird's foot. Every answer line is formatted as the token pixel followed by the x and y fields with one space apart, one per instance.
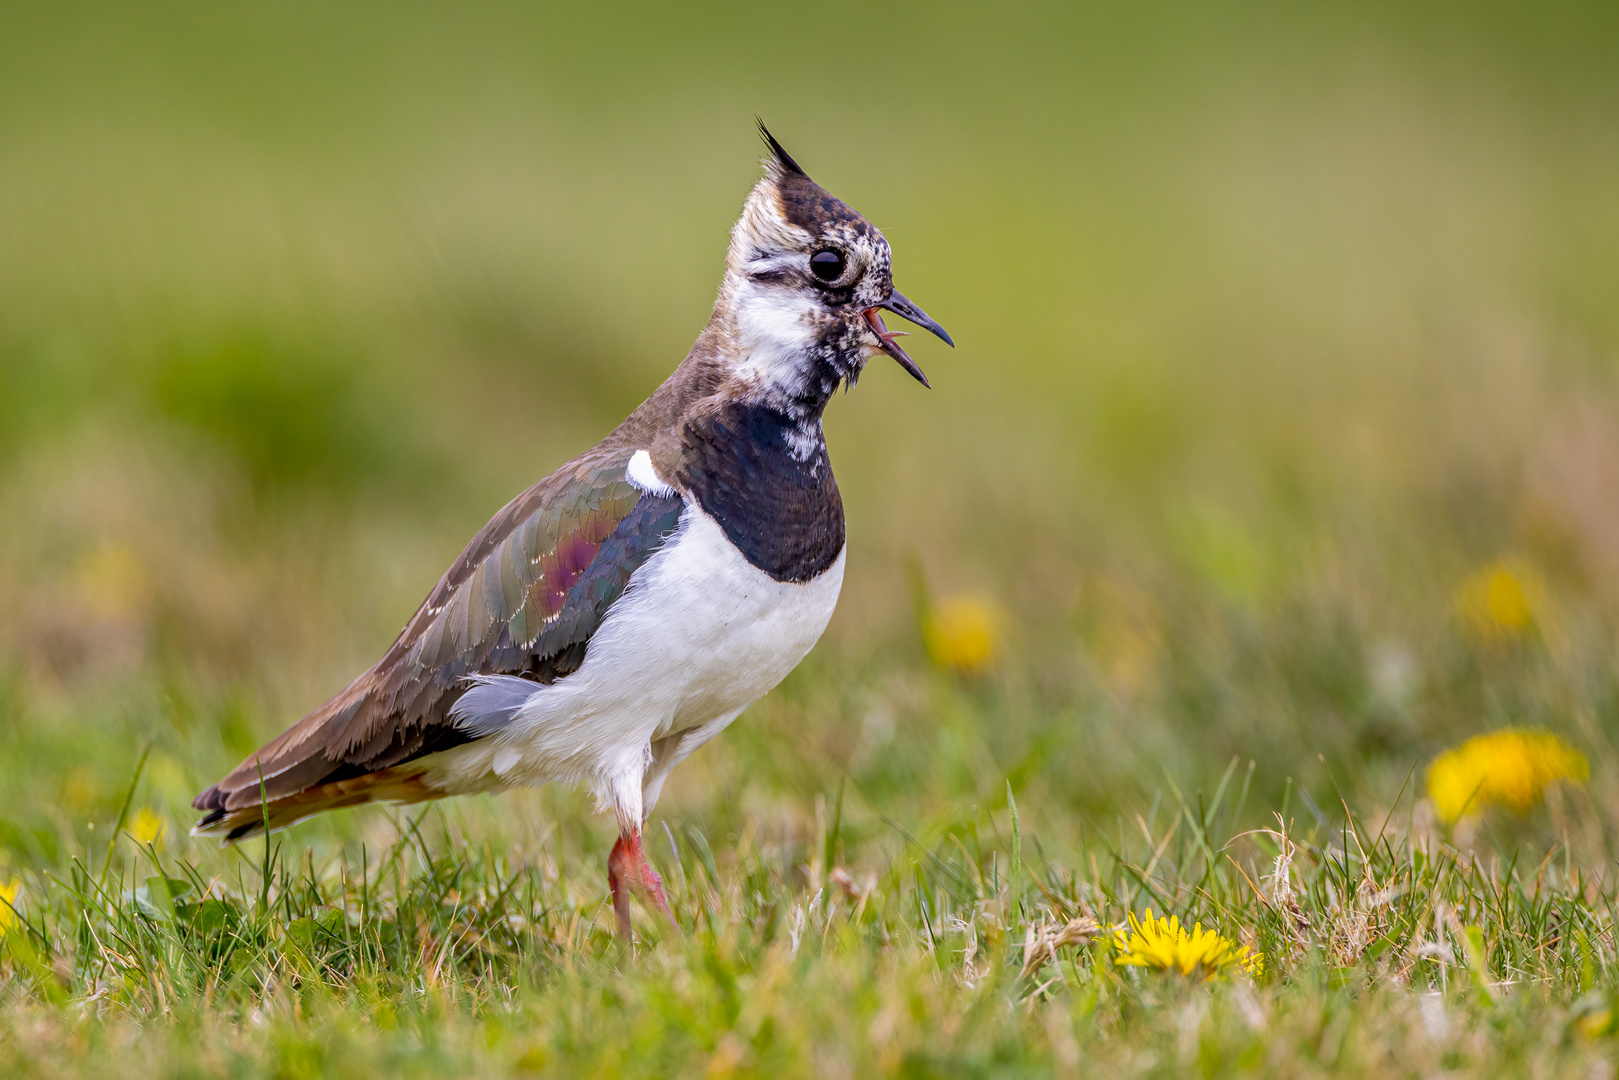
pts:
pixel 629 872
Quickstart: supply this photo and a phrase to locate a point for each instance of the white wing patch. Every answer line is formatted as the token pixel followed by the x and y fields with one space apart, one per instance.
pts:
pixel 644 476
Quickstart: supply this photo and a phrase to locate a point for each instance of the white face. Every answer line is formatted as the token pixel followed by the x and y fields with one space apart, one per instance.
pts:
pixel 801 274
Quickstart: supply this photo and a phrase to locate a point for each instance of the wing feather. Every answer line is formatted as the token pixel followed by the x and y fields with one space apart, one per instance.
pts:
pixel 523 600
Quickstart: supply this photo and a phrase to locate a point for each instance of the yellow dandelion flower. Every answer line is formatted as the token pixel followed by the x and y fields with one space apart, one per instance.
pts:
pixel 1168 946
pixel 1509 768
pixel 963 633
pixel 1501 601
pixel 148 827
pixel 11 893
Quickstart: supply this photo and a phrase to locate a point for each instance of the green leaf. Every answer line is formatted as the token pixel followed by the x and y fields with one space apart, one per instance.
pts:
pixel 207 917
pixel 1473 946
pixel 1376 949
pixel 158 895
pixel 1017 838
pixel 26 956
pixel 303 931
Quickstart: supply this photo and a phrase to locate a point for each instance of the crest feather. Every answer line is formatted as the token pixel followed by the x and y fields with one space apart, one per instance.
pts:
pixel 783 158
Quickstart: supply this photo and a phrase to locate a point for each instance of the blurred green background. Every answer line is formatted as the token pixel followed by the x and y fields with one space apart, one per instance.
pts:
pixel 1278 325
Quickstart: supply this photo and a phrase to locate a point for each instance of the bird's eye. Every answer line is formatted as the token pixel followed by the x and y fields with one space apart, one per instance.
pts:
pixel 827 265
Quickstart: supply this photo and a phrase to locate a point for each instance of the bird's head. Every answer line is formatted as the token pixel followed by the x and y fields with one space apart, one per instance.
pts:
pixel 807 281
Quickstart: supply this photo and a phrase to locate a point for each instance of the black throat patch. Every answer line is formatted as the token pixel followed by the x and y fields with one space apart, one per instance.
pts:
pixel 783 513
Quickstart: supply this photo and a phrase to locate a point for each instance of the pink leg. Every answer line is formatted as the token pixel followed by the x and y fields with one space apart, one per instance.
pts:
pixel 629 872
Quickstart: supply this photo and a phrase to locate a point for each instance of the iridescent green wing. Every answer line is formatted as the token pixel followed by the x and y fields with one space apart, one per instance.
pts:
pixel 523 599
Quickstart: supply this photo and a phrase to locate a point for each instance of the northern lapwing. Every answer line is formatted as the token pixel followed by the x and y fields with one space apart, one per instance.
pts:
pixel 622 611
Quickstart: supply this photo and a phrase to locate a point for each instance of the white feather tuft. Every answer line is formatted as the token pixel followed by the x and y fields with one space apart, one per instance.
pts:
pixel 644 476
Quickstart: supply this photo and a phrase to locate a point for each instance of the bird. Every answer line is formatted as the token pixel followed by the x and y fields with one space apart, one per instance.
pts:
pixel 625 609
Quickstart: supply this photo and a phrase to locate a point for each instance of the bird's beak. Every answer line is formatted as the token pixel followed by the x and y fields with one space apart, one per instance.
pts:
pixel 902 307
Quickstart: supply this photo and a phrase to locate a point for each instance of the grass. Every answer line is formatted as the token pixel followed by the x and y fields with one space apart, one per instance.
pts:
pixel 1277 459
pixel 441 952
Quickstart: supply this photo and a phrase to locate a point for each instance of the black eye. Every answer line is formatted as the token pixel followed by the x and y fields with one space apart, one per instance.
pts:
pixel 827 265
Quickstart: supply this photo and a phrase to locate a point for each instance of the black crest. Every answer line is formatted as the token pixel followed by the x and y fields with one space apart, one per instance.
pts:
pixel 804 202
pixel 783 158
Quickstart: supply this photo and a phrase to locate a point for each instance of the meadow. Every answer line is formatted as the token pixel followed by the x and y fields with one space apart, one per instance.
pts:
pixel 1277 466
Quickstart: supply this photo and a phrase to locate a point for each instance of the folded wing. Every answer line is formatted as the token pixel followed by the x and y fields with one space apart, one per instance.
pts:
pixel 523 599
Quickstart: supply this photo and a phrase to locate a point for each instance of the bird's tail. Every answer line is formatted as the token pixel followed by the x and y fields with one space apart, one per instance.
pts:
pixel 399 785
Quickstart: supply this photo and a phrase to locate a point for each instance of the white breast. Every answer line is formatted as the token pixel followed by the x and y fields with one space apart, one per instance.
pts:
pixel 699 634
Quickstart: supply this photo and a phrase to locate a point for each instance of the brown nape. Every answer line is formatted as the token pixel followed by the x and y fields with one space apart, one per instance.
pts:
pixel 699 376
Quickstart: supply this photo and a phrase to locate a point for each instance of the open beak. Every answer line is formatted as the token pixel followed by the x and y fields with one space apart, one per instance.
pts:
pixel 902 307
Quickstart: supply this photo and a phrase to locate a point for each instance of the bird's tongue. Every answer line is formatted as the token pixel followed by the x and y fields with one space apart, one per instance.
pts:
pixel 886 342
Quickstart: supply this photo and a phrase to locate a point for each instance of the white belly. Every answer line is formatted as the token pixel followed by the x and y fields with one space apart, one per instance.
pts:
pixel 699 634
